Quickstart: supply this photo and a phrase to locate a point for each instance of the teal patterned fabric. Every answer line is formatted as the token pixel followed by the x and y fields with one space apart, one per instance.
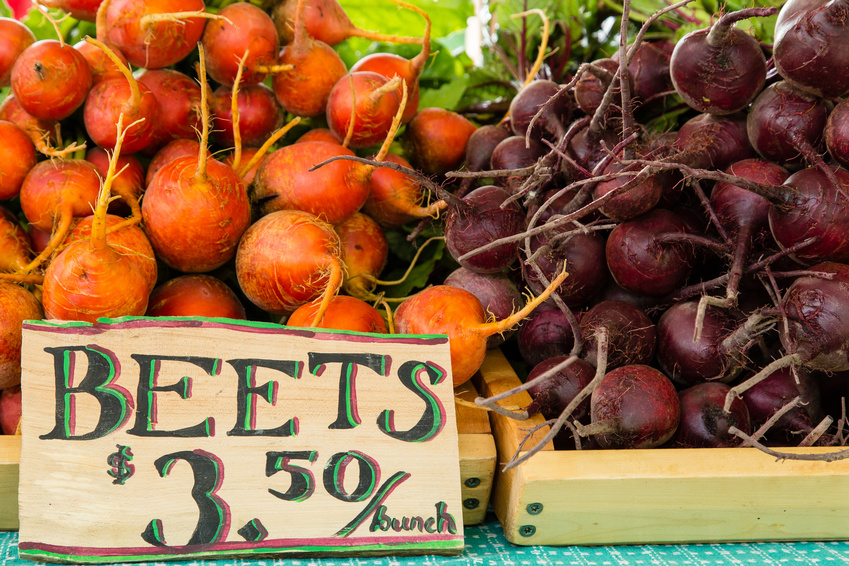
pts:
pixel 486 546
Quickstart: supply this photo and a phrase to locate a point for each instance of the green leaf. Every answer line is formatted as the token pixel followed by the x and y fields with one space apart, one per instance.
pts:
pixel 447 16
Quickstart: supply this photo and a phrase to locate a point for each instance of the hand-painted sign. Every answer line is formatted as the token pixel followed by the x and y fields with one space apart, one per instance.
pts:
pixel 150 439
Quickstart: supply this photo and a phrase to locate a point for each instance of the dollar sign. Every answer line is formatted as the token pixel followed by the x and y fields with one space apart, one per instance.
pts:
pixel 120 463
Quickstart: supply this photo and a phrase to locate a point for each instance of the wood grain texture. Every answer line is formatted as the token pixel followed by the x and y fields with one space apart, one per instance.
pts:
pixel 601 497
pixel 10 456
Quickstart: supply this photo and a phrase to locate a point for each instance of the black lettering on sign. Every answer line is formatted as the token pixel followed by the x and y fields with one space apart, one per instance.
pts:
pixel 146 417
pixel 433 419
pixel 214 518
pixel 302 480
pixel 347 415
pixel 247 392
pixel 98 382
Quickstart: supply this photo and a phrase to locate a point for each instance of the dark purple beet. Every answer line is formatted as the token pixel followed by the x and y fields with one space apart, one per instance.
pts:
pixel 811 45
pixel 544 334
pixel 720 69
pixel 688 362
pixel 511 153
pixel 587 147
pixel 584 258
pixel 704 423
pixel 744 214
pixel 552 395
pixel 590 89
pixel 613 292
pixel 817 312
pixel 527 102
pixel 640 263
pixel 767 397
pixel 633 202
pixel 713 142
pixel 649 70
pixel 630 334
pixel 480 222
pixel 837 133
pixel 638 405
pixel 556 206
pixel 813 208
pixel 481 144
pixel 496 292
pixel 785 124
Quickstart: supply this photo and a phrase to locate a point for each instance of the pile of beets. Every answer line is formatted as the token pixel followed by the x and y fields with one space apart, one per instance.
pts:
pixel 689 285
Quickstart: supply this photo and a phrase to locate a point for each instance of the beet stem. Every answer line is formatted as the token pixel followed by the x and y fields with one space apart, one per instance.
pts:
pixel 132 104
pixel 490 402
pixel 200 174
pixel 719 35
pixel 490 328
pixel 764 428
pixel 817 432
pixel 769 369
pixel 234 112
pixel 714 219
pixel 272 139
pixel 333 283
pixel 546 30
pixel 625 85
pixel 601 370
pixel 816 456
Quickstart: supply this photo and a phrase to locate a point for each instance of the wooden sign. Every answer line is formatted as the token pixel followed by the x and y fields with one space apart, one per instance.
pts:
pixel 154 439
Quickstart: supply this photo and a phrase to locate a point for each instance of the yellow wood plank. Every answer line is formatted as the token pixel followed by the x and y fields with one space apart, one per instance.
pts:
pixel 470 420
pixel 10 456
pixel 477 470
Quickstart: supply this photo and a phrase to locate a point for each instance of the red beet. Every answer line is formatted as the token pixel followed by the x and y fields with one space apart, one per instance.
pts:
pixel 722 68
pixel 195 295
pixel 551 396
pixel 638 259
pixel 713 142
pixel 813 207
pixel 527 103
pixel 690 362
pixel 634 201
pixel 480 220
pixel 837 133
pixel 513 153
pixel 584 257
pixel 810 45
pixel 634 406
pixel 704 423
pixel 545 334
pixel 765 399
pixel 785 125
pixel 630 334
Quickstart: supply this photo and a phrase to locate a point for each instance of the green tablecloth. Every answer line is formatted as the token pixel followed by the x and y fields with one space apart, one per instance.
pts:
pixel 486 546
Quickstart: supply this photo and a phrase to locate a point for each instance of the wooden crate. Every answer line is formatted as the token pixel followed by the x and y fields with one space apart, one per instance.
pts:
pixel 477 465
pixel 597 497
